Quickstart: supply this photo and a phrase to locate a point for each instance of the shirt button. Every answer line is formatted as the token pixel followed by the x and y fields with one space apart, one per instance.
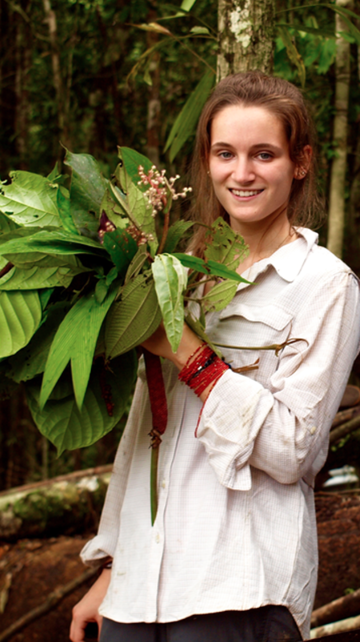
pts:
pixel 157 538
pixel 163 483
pixel 312 430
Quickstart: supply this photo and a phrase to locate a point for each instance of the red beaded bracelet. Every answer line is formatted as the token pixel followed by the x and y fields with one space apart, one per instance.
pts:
pixel 202 369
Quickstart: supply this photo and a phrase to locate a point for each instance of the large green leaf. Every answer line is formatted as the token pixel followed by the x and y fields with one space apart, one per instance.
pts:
pixel 170 281
pixel 224 245
pixel 65 425
pixel 88 186
pixel 42 275
pixel 54 174
pixel 18 279
pixel 75 341
pixel 20 316
pixel 136 205
pixel 209 267
pixel 219 296
pixel 48 242
pixel 31 360
pixel 185 124
pixel 121 247
pixel 45 296
pixel 134 317
pixel 84 348
pixel 175 234
pixel 64 207
pixel 132 159
pixel 186 5
pixel 7 224
pixel 30 200
pixel 136 264
pixel 27 260
pixel 110 207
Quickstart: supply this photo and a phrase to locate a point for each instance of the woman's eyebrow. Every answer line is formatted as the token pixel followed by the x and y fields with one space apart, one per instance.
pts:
pixel 221 144
pixel 265 145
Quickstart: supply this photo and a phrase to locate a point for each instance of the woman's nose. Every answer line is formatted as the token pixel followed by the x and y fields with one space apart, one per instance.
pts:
pixel 243 171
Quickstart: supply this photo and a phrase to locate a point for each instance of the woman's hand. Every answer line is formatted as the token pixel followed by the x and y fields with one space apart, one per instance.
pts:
pixel 87 610
pixel 159 344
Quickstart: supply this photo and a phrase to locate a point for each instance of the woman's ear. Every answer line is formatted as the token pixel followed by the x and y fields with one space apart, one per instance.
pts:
pixel 303 166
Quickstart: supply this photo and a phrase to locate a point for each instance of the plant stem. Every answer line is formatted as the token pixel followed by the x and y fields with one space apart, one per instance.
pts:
pixel 165 229
pixel 153 483
pixel 277 347
pixel 192 286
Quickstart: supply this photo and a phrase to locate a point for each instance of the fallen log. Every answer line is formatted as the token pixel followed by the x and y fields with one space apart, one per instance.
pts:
pixel 65 504
pixel 349 636
pixel 351 396
pixel 76 474
pixel 344 607
pixel 344 429
pixel 345 415
pixel 344 626
pixel 50 603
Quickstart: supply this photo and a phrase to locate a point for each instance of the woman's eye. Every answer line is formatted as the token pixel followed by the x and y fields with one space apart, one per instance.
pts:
pixel 265 156
pixel 225 155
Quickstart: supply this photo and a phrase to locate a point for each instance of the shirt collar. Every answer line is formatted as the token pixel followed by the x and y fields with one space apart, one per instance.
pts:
pixel 289 259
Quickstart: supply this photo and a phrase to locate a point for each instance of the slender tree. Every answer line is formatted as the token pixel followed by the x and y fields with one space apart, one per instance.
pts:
pixel 22 108
pixel 338 169
pixel 50 18
pixel 154 105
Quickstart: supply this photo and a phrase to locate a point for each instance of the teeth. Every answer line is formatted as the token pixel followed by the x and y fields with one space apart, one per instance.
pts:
pixel 241 192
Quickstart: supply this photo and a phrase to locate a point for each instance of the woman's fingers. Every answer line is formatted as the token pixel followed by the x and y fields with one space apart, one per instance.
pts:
pixel 87 610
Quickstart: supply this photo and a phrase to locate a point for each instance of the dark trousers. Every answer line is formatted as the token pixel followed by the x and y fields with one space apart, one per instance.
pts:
pixel 266 624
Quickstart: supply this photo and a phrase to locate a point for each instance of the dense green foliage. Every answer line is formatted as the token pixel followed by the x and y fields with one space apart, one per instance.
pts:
pixel 84 281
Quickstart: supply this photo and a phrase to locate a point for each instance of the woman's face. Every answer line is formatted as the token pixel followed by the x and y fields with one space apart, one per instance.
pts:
pixel 250 167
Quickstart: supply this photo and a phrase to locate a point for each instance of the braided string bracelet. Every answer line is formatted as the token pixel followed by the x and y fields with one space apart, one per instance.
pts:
pixel 203 368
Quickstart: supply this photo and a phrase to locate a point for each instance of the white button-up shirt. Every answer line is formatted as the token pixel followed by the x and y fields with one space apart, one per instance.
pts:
pixel 235 527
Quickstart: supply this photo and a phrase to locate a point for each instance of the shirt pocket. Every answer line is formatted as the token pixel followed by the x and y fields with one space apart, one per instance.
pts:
pixel 242 326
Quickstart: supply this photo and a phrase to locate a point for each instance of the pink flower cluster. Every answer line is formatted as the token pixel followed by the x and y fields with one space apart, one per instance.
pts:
pixel 159 188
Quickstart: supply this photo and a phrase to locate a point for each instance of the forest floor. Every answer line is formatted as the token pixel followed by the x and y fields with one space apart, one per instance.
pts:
pixel 39 566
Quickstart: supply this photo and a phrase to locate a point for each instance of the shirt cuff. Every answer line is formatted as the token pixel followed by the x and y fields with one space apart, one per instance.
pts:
pixel 96 551
pixel 229 424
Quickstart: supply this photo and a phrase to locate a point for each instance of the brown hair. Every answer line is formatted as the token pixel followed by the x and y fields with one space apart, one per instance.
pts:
pixel 285 101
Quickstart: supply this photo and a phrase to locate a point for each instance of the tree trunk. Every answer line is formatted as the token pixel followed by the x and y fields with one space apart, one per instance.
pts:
pixel 246 36
pixel 69 503
pixel 22 108
pixel 50 18
pixel 338 169
pixel 352 255
pixel 154 106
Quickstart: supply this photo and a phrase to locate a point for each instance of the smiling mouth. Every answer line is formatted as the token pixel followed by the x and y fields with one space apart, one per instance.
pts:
pixel 246 192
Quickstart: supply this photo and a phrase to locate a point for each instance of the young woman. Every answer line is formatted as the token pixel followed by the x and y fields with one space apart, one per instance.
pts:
pixel 232 555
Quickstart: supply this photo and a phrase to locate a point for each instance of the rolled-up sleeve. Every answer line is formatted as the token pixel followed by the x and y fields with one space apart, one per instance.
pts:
pixel 280 424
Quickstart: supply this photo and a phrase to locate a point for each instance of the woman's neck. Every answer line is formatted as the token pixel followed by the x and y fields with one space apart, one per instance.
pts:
pixel 263 242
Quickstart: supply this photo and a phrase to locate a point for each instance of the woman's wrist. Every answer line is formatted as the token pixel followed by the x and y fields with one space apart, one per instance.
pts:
pixel 189 343
pixel 107 564
pixel 202 370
